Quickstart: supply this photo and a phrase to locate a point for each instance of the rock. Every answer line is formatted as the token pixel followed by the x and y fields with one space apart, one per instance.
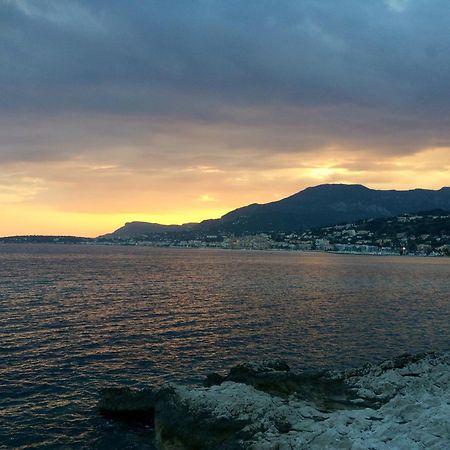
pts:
pixel 402 403
pixel 127 404
pixel 213 379
pixel 183 424
pixel 259 367
pixel 274 377
pixel 249 372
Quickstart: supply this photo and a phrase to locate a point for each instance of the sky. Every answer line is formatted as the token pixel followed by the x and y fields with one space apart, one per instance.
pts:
pixel 175 111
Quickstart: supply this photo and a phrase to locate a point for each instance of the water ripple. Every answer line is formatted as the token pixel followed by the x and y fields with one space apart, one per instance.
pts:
pixel 73 318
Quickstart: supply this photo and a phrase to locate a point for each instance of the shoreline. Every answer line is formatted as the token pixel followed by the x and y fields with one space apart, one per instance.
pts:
pixel 268 250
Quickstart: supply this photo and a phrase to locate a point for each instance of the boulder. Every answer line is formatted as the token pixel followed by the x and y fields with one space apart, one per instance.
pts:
pixel 127 404
pixel 275 377
pixel 183 421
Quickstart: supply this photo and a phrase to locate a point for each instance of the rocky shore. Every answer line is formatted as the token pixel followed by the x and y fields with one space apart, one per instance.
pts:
pixel 401 403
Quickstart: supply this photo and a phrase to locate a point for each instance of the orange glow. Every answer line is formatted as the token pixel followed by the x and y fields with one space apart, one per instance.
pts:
pixel 24 221
pixel 92 198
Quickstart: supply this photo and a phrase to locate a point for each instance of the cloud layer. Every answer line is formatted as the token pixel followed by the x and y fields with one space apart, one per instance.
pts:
pixel 149 107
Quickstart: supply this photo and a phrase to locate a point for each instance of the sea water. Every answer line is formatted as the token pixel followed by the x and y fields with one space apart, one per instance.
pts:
pixel 76 318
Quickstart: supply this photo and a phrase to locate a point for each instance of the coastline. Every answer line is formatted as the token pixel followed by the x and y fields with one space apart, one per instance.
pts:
pixel 265 250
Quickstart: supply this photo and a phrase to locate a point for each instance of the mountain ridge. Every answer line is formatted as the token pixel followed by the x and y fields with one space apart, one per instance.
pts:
pixel 315 206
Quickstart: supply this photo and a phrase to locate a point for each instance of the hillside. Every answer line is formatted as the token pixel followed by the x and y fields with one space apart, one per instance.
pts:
pixel 134 229
pixel 420 233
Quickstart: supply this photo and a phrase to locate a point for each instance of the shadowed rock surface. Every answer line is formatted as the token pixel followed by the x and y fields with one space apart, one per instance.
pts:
pixel 326 389
pixel 128 404
pixel 180 424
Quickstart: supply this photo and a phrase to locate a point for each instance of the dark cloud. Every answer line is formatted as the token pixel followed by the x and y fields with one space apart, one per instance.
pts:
pixel 265 76
pixel 155 56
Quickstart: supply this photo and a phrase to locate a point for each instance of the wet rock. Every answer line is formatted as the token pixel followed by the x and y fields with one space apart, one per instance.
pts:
pixel 127 404
pixel 213 379
pixel 251 372
pixel 259 367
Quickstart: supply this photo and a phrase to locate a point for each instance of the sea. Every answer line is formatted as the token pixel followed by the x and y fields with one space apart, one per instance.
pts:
pixel 76 318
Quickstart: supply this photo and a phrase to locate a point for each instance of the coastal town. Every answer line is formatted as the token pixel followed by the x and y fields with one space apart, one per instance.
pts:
pixel 426 234
pixel 422 234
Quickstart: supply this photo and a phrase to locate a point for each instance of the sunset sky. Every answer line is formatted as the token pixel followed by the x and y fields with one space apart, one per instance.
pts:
pixel 174 111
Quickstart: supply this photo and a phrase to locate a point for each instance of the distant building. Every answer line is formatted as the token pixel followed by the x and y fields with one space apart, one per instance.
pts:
pixel 251 242
pixel 324 244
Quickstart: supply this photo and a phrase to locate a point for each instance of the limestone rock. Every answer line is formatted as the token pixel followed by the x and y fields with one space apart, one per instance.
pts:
pixel 402 403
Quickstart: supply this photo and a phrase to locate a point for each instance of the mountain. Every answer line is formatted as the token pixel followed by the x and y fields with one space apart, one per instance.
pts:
pixel 318 206
pixel 133 229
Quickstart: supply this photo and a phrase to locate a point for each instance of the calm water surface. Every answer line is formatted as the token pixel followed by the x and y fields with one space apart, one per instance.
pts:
pixel 75 318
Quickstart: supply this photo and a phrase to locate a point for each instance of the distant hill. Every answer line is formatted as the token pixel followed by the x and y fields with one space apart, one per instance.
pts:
pixel 133 229
pixel 420 233
pixel 39 239
pixel 318 206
